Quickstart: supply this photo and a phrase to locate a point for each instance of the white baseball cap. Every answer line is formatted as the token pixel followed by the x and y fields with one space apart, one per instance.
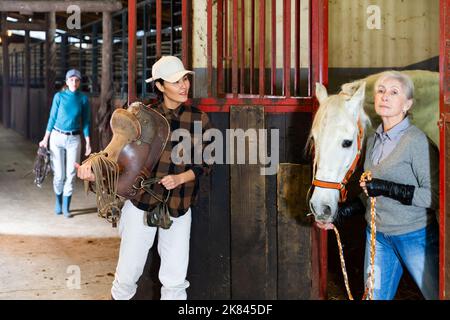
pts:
pixel 168 68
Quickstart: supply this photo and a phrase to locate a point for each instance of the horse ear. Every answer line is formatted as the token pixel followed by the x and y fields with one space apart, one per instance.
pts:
pixel 361 92
pixel 357 100
pixel 321 92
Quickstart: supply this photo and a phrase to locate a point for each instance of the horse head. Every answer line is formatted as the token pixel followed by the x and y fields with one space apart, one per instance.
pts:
pixel 336 138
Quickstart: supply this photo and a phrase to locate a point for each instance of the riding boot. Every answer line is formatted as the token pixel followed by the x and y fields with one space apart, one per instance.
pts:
pixel 66 206
pixel 58 204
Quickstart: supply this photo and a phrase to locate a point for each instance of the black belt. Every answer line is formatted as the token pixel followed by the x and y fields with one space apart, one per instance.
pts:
pixel 68 133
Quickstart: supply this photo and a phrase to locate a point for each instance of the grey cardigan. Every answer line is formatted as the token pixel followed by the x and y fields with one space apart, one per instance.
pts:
pixel 414 161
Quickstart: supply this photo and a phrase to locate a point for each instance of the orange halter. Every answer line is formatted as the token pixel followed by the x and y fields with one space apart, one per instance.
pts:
pixel 341 185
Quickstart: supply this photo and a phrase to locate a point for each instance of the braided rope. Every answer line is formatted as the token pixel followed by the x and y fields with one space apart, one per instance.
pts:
pixel 370 284
pixel 344 269
pixel 106 174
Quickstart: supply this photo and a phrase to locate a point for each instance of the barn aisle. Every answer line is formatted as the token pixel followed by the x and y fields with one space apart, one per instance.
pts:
pixel 44 256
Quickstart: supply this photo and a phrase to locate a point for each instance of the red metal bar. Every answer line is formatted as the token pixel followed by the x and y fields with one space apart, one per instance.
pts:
pixel 234 64
pixel 158 28
pixel 297 49
pixel 185 17
pixel 257 100
pixel 209 44
pixel 267 109
pixel 323 249
pixel 278 105
pixel 220 73
pixel 319 42
pixel 319 250
pixel 273 79
pixel 242 60
pixel 252 47
pixel 319 73
pixel 444 109
pixel 262 47
pixel 287 48
pixel 132 27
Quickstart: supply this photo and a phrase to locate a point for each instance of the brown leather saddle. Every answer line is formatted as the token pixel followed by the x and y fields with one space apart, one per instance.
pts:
pixel 122 170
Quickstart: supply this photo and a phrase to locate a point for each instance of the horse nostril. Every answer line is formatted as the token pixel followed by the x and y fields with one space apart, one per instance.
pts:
pixel 327 210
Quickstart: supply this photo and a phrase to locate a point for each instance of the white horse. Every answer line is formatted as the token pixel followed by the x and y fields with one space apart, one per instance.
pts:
pixel 341 124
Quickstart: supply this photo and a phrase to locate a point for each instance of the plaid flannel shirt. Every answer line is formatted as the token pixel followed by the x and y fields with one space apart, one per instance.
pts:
pixel 182 197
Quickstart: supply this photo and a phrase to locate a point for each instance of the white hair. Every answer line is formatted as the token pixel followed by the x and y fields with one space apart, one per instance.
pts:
pixel 405 81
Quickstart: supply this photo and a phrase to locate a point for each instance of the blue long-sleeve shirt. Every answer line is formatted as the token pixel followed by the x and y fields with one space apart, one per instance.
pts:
pixel 68 108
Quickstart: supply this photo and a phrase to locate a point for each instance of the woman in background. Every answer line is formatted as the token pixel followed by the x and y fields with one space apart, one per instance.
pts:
pixel 69 109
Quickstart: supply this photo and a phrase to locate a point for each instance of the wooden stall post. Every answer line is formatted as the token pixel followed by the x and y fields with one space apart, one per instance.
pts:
pixel 106 95
pixel 6 94
pixel 50 58
pixel 27 75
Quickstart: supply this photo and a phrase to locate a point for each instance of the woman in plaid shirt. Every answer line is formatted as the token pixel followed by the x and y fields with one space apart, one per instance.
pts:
pixel 181 179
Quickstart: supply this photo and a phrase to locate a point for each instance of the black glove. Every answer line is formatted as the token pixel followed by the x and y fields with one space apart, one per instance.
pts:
pixel 397 191
pixel 351 208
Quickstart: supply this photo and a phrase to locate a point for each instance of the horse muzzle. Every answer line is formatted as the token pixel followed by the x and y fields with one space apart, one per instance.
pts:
pixel 322 204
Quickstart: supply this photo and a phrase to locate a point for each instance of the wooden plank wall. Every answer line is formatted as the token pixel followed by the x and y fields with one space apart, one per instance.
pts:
pixel 294 232
pixel 295 277
pixel 19 110
pixel 243 246
pixel 252 234
pixel 209 267
pixel 38 119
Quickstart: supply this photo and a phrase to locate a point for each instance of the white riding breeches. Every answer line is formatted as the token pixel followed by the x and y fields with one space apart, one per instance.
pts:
pixel 136 240
pixel 65 151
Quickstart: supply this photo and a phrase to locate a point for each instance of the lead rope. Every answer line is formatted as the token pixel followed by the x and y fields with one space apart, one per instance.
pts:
pixel 106 174
pixel 368 291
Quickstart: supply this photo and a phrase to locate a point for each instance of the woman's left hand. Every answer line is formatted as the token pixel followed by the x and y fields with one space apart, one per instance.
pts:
pixel 171 182
pixel 88 149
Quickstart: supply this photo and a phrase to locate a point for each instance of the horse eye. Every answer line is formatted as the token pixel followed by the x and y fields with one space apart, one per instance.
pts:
pixel 347 143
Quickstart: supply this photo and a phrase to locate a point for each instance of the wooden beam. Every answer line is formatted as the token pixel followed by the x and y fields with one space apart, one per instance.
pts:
pixel 107 92
pixel 132 27
pixel 59 6
pixel 27 81
pixel 27 26
pixel 50 58
pixel 6 95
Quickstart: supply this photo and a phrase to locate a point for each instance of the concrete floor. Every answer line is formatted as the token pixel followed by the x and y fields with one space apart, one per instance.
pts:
pixel 44 256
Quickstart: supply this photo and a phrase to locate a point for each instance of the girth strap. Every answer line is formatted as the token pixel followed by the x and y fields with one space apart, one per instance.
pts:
pixel 159 216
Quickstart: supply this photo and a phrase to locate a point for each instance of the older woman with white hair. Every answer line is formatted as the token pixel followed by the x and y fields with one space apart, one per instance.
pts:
pixel 405 167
